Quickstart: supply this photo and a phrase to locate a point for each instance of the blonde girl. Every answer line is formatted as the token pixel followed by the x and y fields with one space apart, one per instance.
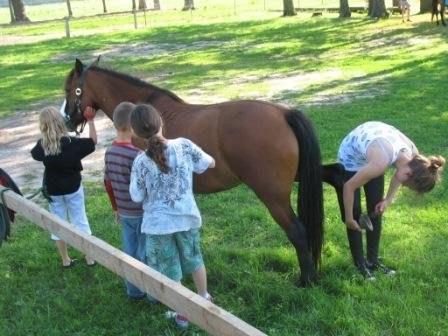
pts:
pixel 61 156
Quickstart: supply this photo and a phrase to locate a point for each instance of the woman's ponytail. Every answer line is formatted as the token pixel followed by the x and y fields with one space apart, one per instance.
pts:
pixel 426 171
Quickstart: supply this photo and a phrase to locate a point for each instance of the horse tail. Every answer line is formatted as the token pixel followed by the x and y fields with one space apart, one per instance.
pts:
pixel 310 191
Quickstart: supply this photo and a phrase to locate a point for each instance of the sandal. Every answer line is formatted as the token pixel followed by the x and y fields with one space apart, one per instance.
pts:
pixel 71 264
pixel 91 264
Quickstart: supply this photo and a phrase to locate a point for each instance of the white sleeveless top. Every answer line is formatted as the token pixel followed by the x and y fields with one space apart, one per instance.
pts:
pixel 353 149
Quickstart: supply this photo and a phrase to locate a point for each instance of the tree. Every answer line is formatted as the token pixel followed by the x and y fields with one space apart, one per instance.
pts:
pixel 18 11
pixel 369 7
pixel 11 11
pixel 425 6
pixel 104 7
pixel 142 4
pixel 188 4
pixel 288 8
pixel 378 9
pixel 344 9
pixel 157 4
pixel 69 8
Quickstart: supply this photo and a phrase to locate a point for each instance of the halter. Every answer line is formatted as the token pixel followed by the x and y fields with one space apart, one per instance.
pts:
pixel 78 93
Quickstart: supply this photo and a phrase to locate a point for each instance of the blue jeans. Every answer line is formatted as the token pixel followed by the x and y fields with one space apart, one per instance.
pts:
pixel 134 242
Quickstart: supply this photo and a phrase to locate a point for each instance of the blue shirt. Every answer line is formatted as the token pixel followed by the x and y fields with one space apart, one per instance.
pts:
pixel 168 201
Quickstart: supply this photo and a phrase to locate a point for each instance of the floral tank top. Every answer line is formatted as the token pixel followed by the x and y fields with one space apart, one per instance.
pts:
pixel 353 149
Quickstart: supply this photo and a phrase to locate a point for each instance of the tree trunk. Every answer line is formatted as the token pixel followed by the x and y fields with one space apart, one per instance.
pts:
pixel 425 6
pixel 19 11
pixel 69 8
pixel 11 12
pixel 369 8
pixel 157 4
pixel 288 8
pixel 378 9
pixel 188 4
pixel 134 6
pixel 104 7
pixel 344 9
pixel 142 4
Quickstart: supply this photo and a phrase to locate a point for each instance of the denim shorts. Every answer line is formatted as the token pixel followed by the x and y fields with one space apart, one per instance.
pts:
pixel 175 254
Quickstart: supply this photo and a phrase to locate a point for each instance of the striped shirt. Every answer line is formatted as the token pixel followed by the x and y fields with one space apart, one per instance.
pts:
pixel 118 164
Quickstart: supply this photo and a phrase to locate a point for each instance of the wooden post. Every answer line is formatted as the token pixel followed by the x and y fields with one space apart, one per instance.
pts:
pixel 135 19
pixel 201 312
pixel 67 27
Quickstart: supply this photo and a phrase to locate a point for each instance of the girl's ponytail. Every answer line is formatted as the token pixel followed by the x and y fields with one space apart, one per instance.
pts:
pixel 146 123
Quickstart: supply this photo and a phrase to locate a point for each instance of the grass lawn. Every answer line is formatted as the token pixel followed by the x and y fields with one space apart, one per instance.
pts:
pixel 341 73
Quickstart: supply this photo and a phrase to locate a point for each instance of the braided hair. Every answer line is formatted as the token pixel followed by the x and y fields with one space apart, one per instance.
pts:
pixel 146 123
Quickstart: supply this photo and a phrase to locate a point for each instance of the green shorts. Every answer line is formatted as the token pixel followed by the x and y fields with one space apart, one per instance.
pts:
pixel 175 254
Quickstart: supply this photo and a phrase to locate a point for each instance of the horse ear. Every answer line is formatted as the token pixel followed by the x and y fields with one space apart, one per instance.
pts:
pixel 95 62
pixel 79 67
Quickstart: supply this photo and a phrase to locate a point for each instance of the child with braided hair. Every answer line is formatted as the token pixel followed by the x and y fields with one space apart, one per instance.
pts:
pixel 162 178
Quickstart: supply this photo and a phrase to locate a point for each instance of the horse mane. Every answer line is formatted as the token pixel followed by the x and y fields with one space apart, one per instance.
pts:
pixel 128 78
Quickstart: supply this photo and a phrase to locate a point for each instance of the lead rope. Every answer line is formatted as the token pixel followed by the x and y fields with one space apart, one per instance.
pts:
pixel 5 223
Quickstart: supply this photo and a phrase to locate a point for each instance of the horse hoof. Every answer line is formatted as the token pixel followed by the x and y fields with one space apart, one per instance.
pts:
pixel 306 282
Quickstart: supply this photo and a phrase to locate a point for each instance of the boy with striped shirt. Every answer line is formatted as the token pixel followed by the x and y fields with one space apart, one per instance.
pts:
pixel 118 164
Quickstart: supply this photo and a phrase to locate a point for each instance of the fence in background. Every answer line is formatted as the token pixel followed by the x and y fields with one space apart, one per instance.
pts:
pixel 42 10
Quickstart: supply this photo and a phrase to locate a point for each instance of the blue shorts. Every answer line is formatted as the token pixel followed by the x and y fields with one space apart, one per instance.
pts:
pixel 175 254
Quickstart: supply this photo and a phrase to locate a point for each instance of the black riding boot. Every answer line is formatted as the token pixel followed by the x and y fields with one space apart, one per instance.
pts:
pixel 373 239
pixel 355 242
pixel 373 244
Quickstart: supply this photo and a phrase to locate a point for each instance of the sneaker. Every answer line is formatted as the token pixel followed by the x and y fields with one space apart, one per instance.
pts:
pixel 381 268
pixel 208 297
pixel 180 320
pixel 366 274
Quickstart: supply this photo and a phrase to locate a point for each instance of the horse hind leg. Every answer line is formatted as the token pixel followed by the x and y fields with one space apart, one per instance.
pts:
pixel 283 214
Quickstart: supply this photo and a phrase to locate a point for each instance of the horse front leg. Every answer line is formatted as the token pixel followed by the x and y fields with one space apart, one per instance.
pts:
pixel 334 175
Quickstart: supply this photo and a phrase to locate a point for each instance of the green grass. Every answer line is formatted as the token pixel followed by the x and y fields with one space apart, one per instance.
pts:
pixel 340 73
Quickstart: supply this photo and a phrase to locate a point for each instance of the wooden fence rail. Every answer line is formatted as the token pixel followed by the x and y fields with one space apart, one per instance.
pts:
pixel 201 312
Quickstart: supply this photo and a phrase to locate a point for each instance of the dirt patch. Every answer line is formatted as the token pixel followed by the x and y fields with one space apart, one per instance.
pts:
pixel 19 134
pixel 141 50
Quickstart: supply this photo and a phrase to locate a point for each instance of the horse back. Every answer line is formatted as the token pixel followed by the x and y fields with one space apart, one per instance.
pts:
pixel 250 140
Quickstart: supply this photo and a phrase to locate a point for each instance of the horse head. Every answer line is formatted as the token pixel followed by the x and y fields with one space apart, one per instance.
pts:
pixel 77 98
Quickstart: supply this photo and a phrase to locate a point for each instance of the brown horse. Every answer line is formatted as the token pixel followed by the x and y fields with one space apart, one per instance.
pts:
pixel 253 142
